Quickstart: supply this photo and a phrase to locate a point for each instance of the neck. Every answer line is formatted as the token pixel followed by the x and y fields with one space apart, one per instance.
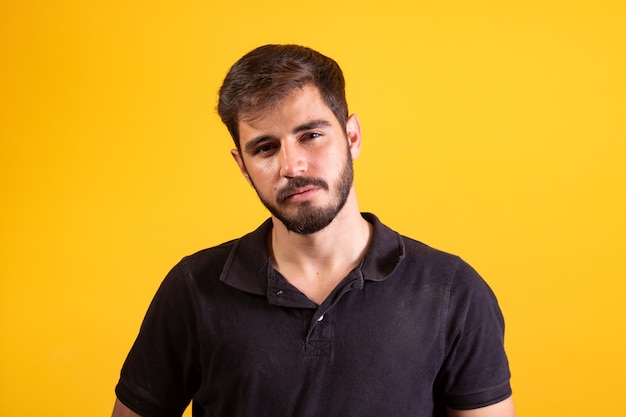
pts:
pixel 317 262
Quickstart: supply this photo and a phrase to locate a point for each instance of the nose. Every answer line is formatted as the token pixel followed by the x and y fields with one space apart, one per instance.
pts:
pixel 292 160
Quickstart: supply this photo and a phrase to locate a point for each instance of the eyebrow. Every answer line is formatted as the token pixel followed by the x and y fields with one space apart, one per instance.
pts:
pixel 312 125
pixel 255 141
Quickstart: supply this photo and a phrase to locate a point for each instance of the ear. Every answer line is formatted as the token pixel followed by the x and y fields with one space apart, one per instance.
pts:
pixel 242 167
pixel 353 131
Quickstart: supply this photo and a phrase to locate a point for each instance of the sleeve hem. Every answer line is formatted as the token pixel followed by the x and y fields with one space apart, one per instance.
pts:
pixel 140 405
pixel 481 399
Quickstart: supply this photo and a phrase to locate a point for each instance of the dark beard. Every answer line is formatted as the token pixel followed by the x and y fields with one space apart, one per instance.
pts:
pixel 310 219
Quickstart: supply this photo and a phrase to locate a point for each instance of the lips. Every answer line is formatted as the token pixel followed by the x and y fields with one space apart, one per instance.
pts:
pixel 300 192
pixel 300 186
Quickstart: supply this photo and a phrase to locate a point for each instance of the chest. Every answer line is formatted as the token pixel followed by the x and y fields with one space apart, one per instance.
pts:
pixel 373 344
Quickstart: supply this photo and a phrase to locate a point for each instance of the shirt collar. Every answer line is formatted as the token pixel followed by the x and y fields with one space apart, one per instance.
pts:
pixel 248 266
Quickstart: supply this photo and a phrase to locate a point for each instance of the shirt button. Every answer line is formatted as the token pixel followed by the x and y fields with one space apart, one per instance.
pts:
pixel 321 318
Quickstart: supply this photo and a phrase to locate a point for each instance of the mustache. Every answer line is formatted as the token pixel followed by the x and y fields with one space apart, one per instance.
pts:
pixel 294 184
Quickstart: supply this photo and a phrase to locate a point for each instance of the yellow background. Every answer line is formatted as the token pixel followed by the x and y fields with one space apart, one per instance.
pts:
pixel 492 129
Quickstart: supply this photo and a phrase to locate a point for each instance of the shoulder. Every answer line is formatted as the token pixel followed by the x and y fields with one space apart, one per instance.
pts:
pixel 418 251
pixel 201 269
pixel 458 285
pixel 433 265
pixel 394 254
pixel 216 258
pixel 208 259
pixel 443 265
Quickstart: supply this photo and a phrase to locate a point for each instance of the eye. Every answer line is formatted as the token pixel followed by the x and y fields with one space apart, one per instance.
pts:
pixel 310 135
pixel 265 149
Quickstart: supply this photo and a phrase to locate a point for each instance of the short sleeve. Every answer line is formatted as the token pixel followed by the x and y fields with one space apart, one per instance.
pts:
pixel 475 372
pixel 160 373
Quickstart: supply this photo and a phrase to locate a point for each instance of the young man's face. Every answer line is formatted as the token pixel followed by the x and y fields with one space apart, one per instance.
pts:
pixel 299 160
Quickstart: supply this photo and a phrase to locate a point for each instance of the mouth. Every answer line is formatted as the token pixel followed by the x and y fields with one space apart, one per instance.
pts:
pixel 300 189
pixel 300 194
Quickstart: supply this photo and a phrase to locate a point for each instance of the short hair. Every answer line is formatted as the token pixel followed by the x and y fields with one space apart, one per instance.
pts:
pixel 269 73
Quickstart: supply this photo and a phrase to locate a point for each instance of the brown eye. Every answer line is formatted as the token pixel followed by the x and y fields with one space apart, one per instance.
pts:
pixel 265 149
pixel 311 135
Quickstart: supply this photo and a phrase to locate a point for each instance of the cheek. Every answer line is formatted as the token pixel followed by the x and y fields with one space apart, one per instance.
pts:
pixel 335 159
pixel 262 175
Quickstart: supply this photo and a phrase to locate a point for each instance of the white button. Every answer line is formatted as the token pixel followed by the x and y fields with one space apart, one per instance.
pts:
pixel 321 318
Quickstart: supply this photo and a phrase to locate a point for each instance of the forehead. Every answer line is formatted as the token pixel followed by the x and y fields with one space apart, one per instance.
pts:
pixel 298 106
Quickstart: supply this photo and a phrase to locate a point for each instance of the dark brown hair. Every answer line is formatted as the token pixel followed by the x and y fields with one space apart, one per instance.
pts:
pixel 268 74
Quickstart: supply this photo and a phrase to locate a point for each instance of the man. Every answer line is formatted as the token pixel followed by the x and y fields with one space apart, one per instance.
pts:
pixel 322 311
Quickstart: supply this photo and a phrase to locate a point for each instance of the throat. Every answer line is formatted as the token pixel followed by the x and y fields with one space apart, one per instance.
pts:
pixel 316 264
pixel 315 286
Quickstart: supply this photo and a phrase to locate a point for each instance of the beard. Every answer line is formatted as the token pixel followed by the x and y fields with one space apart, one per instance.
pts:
pixel 308 218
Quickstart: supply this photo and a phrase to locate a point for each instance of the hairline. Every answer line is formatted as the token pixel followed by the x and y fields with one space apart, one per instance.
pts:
pixel 258 113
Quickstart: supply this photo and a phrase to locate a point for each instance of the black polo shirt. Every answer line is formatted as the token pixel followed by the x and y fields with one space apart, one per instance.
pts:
pixel 409 331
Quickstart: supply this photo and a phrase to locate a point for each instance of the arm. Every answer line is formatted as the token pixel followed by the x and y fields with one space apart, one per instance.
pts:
pixel 159 374
pixel 120 410
pixel 476 370
pixel 502 409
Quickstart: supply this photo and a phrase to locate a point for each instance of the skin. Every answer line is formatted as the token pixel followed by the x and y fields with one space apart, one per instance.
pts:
pixel 502 409
pixel 301 138
pixel 306 218
pixel 120 410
